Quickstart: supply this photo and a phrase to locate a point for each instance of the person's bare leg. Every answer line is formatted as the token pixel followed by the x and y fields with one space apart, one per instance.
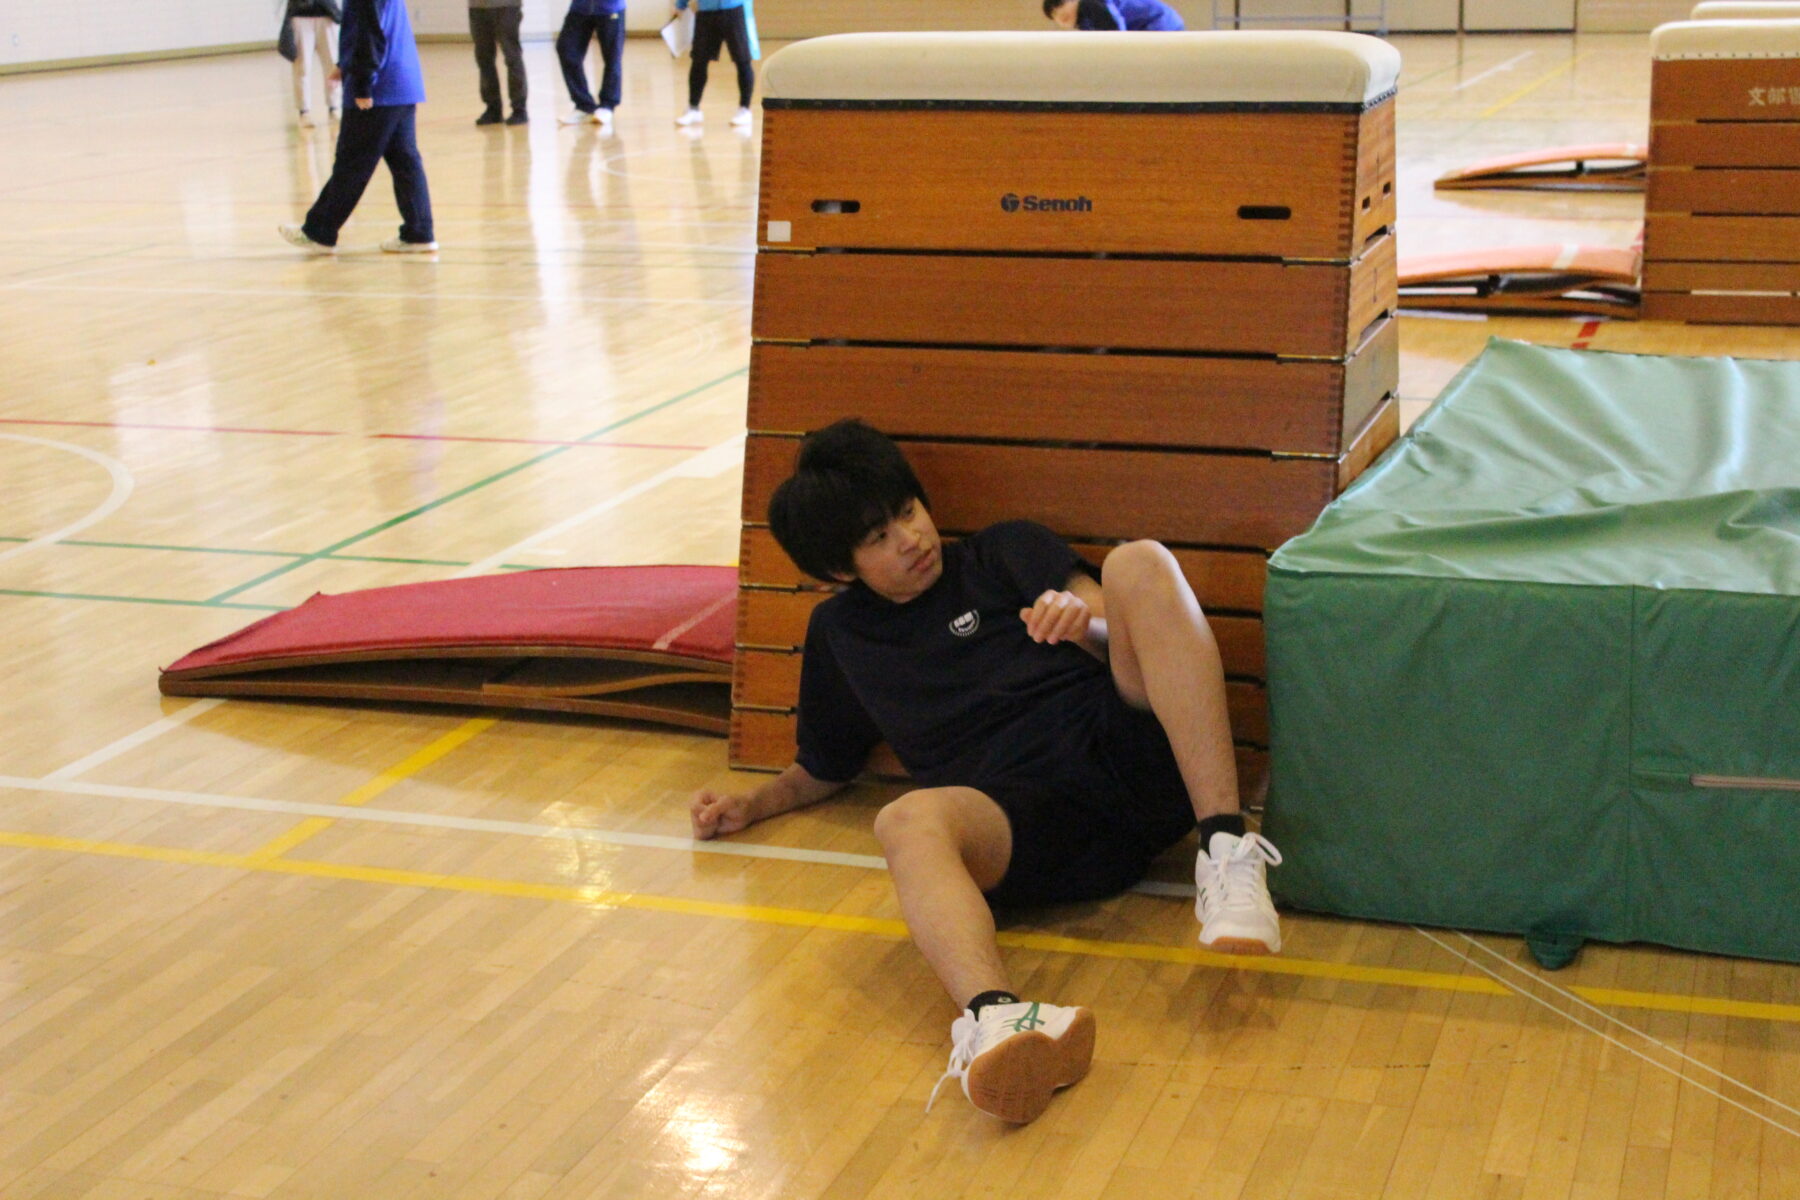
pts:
pixel 1164 658
pixel 944 847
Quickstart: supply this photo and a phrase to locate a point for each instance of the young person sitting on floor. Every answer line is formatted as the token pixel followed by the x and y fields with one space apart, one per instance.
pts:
pixel 1061 729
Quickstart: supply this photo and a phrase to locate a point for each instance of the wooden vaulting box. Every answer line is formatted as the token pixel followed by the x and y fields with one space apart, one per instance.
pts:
pixel 1722 225
pixel 1125 286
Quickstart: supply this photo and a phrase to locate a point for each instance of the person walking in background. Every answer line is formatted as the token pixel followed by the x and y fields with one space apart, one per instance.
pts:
pixel 1135 16
pixel 311 29
pixel 495 24
pixel 379 65
pixel 589 20
pixel 720 23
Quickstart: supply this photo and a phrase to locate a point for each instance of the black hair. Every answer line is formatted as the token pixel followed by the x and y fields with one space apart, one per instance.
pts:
pixel 850 480
pixel 1050 7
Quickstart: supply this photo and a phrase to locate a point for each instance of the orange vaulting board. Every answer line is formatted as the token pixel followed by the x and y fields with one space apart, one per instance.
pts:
pixel 1602 280
pixel 642 643
pixel 1607 167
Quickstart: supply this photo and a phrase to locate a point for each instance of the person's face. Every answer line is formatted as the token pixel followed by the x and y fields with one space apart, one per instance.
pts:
pixel 902 559
pixel 1065 15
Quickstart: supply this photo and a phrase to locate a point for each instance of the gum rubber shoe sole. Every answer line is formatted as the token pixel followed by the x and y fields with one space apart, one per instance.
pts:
pixel 1016 1079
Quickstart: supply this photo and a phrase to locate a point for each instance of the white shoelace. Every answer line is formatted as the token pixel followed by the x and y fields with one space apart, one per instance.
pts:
pixel 1238 872
pixel 964 1033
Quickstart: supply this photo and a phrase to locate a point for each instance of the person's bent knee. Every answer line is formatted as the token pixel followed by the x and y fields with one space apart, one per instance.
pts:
pixel 912 816
pixel 1140 565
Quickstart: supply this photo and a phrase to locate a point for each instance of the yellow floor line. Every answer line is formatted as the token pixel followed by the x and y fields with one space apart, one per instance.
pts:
pixel 878 927
pixel 402 770
pixel 1532 86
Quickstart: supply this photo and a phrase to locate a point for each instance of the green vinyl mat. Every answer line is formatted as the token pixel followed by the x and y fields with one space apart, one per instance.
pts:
pixel 1538 670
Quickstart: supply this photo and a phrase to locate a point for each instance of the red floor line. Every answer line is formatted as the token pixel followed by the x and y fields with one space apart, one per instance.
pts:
pixel 1586 335
pixel 439 437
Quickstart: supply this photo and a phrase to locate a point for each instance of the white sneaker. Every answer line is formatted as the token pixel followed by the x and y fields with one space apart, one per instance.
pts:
pixel 741 118
pixel 337 114
pixel 396 245
pixel 576 116
pixel 296 236
pixel 1014 1057
pixel 604 116
pixel 307 120
pixel 692 116
pixel 1232 896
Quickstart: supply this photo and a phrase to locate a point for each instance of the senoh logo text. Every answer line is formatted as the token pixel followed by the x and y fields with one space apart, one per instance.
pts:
pixel 1013 202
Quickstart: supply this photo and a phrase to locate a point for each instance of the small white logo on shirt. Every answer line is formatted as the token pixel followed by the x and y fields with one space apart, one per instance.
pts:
pixel 966 624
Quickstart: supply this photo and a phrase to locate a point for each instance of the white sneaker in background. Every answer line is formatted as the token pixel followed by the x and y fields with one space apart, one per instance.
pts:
pixel 307 120
pixel 692 116
pixel 1013 1057
pixel 296 236
pixel 576 116
pixel 1232 895
pixel 396 245
pixel 742 118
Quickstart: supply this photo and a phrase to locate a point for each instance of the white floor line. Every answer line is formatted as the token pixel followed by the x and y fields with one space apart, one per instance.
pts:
pixel 386 816
pixel 122 484
pixel 1508 65
pixel 132 741
pixel 1607 1037
pixel 1626 1025
pixel 714 460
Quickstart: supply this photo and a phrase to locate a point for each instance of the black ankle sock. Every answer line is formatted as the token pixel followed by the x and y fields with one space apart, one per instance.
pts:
pixel 1232 823
pixel 986 998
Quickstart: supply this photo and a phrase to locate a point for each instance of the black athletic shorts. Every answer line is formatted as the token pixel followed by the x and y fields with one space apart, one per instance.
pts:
pixel 1089 825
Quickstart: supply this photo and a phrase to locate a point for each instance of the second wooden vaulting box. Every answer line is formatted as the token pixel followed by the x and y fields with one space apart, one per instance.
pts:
pixel 1125 285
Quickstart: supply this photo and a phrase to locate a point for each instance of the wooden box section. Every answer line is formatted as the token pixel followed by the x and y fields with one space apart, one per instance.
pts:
pixel 764 741
pixel 1228 579
pixel 1782 278
pixel 1123 399
pixel 770 679
pixel 1724 192
pixel 1723 89
pixel 1301 310
pixel 1722 239
pixel 1244 500
pixel 1731 144
pixel 770 619
pixel 1270 184
pixel 1721 310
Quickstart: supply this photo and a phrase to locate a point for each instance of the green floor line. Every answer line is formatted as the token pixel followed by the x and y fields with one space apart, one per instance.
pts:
pixel 369 558
pixel 464 491
pixel 139 600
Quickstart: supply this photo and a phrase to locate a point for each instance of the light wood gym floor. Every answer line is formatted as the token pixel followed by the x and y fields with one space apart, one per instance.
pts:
pixel 282 951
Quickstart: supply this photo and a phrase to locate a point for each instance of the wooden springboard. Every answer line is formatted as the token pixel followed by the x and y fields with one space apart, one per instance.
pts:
pixel 640 643
pixel 1553 278
pixel 1600 167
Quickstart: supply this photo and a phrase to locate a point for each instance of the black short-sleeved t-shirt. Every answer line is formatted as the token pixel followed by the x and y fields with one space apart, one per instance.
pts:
pixel 951 679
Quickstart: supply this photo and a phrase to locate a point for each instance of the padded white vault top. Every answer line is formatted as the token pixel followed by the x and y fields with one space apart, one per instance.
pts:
pixel 1746 10
pixel 1241 67
pixel 1725 39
